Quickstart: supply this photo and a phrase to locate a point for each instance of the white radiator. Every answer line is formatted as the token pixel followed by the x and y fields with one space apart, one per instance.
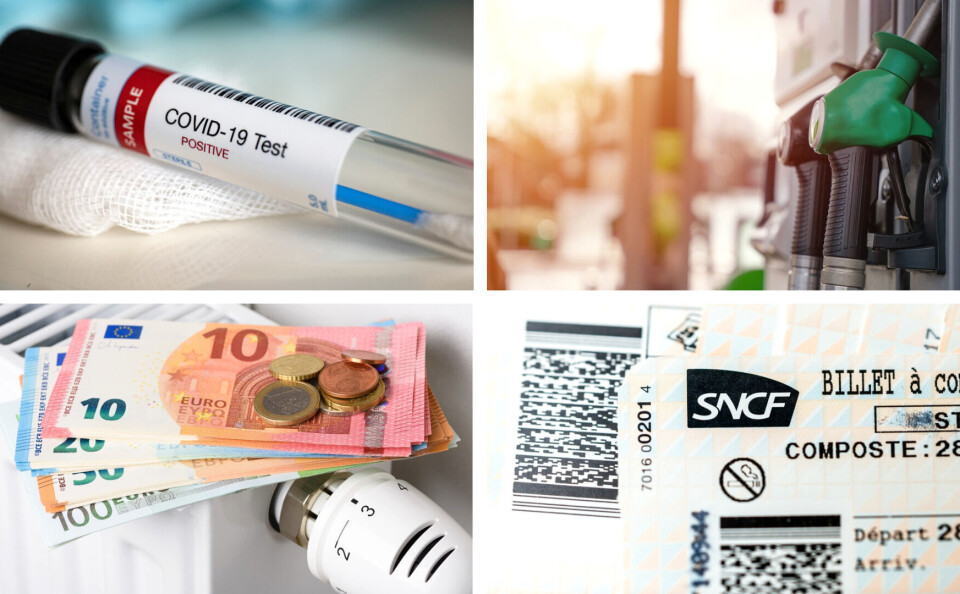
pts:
pixel 223 545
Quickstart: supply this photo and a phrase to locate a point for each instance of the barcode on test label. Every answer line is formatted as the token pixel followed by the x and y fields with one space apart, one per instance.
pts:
pixel 256 101
pixel 566 459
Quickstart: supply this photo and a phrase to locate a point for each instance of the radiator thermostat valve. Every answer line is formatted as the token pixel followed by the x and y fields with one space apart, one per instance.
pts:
pixel 367 531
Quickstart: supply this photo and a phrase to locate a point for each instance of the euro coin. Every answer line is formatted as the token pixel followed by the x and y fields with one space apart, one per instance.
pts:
pixel 348 380
pixel 298 367
pixel 331 412
pixel 368 357
pixel 285 403
pixel 361 404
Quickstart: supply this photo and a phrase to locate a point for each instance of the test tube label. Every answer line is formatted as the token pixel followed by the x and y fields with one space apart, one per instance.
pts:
pixel 271 147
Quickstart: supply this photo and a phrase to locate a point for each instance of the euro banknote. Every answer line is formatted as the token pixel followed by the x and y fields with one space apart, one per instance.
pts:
pixel 41 369
pixel 792 473
pixel 183 382
pixel 62 527
pixel 59 491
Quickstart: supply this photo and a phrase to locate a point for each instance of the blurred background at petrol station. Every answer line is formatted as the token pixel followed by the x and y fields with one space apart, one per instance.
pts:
pixel 627 142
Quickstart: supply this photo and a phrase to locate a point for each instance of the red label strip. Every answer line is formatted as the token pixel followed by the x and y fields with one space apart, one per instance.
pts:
pixel 132 106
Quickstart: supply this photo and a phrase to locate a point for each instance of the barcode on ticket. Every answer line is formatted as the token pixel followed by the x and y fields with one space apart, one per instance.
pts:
pixel 781 554
pixel 566 458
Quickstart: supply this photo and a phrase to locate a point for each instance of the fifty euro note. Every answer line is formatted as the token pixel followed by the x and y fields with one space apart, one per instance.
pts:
pixel 59 491
pixel 64 526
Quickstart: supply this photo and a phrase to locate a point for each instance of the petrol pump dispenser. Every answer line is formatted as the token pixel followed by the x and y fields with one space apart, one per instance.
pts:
pixel 865 116
pixel 861 217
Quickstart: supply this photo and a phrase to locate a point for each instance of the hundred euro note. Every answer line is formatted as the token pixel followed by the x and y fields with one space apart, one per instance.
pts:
pixel 181 381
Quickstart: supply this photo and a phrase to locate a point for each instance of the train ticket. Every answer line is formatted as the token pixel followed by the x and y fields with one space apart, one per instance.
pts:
pixel 797 473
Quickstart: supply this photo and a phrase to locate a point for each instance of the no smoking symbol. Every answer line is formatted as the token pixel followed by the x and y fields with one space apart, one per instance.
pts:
pixel 742 480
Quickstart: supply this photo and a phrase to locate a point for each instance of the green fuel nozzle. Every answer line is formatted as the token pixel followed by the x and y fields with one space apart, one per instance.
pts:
pixel 867 109
pixel 865 115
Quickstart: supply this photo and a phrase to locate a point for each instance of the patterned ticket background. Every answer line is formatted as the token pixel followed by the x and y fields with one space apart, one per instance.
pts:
pixel 795 473
pixel 816 329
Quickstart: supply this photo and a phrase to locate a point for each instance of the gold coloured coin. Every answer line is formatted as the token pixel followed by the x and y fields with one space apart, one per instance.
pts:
pixel 330 412
pixel 368 357
pixel 284 403
pixel 348 380
pixel 296 368
pixel 361 404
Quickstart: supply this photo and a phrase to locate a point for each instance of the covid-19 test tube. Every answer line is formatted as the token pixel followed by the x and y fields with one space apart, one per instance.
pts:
pixel 318 162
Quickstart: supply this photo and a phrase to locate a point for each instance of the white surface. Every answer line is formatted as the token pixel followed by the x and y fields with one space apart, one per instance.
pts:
pixel 405 69
pixel 284 252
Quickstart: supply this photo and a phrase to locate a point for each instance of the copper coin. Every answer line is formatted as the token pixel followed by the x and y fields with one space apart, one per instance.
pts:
pixel 345 401
pixel 348 380
pixel 368 357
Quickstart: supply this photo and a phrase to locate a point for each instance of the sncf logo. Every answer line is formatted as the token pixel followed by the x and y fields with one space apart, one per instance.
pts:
pixel 720 398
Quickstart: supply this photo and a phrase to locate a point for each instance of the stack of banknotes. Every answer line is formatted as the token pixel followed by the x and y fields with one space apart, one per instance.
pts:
pixel 136 417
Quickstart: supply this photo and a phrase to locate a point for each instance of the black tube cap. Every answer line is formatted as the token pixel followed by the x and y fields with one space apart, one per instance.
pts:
pixel 35 69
